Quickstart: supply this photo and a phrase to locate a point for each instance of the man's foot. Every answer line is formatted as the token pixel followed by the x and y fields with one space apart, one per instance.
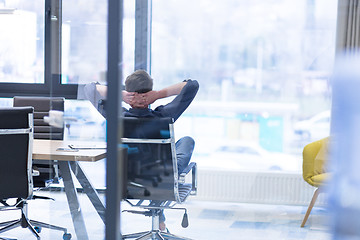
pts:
pixel 162 226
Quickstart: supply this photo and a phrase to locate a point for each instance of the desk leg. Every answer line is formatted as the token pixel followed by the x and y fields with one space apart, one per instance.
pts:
pixel 88 189
pixel 73 201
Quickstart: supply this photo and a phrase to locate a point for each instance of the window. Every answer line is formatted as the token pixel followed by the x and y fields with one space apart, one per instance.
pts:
pixel 22 42
pixel 30 58
pixel 27 64
pixel 262 67
pixel 84 41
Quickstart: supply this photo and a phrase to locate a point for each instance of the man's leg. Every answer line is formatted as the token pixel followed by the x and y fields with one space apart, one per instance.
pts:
pixel 184 149
pixel 162 225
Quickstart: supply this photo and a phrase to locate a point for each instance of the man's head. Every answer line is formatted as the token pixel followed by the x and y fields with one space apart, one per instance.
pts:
pixel 139 81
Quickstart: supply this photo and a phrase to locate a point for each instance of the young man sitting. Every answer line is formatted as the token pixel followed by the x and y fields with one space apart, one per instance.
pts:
pixel 139 94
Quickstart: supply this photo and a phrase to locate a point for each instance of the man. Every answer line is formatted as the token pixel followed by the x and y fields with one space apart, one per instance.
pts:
pixel 139 94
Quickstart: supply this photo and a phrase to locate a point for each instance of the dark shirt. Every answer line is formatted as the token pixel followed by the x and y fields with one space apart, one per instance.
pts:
pixel 173 109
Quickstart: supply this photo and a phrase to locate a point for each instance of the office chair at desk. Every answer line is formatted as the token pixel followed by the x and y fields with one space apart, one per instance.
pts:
pixel 151 142
pixel 49 171
pixel 16 174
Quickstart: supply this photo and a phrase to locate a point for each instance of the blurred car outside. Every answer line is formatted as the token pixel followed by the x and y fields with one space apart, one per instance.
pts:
pixel 314 128
pixel 241 155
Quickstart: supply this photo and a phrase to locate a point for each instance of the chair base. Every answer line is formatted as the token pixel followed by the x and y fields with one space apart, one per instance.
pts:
pixel 24 222
pixel 154 235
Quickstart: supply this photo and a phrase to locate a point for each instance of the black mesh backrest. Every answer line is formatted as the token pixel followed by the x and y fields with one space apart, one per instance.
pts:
pixel 149 162
pixel 42 106
pixel 14 154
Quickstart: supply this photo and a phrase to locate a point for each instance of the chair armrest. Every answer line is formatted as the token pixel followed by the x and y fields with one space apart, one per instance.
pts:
pixel 193 168
pixel 188 169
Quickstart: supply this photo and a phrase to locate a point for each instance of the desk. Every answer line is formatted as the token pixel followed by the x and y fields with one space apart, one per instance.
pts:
pixel 68 161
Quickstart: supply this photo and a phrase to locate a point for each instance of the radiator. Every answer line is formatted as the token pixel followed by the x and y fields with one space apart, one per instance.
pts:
pixel 255 187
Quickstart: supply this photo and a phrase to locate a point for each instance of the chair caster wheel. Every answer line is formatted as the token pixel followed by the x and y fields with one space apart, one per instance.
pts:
pixel 37 229
pixel 146 193
pixel 67 236
pixel 159 179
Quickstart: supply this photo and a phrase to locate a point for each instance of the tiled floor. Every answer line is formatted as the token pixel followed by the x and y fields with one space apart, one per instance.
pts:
pixel 207 221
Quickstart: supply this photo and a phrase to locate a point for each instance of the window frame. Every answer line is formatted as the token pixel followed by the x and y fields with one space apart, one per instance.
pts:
pixel 52 85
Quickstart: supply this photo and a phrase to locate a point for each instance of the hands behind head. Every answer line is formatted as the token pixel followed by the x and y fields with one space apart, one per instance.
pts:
pixel 139 100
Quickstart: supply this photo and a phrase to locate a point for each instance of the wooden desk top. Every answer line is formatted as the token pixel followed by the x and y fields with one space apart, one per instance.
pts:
pixel 47 150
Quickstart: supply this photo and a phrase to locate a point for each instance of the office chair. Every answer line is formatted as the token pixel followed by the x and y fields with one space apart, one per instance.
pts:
pixel 49 171
pixel 143 158
pixel 314 171
pixel 16 174
pixel 156 137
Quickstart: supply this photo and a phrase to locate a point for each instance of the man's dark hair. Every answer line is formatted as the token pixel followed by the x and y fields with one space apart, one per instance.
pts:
pixel 139 81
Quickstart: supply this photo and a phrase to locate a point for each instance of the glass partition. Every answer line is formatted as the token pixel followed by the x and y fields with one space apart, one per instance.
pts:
pixel 263 68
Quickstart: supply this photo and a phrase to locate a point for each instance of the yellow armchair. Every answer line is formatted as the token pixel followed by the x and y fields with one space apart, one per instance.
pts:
pixel 315 156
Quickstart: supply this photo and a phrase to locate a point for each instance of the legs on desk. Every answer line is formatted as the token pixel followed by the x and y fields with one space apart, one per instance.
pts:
pixel 73 201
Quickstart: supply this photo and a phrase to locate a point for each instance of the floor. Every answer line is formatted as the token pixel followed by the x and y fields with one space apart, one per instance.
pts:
pixel 207 220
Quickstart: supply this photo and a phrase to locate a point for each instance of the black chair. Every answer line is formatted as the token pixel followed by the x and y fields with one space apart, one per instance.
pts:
pixel 16 174
pixel 151 143
pixel 49 171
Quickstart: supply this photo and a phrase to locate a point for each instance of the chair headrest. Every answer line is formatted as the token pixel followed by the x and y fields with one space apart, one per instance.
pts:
pixel 149 128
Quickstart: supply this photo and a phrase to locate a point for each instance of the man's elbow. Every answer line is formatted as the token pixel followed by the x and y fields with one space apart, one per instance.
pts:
pixel 195 85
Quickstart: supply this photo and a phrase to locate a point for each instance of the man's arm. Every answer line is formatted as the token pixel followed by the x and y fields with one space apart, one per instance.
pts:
pixel 102 89
pixel 151 96
pixel 142 100
pixel 126 96
pixel 179 104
